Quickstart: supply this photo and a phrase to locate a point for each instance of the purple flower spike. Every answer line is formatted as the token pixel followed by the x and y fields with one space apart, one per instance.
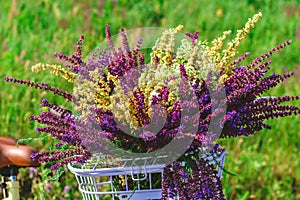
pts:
pixel 45 102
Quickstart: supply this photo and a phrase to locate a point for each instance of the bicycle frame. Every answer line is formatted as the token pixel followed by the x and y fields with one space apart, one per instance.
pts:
pixel 11 188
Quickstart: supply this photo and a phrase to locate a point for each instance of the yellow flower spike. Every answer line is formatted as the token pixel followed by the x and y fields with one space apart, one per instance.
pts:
pixel 89 92
pixel 223 59
pixel 218 43
pixel 56 70
pixel 195 57
pixel 179 28
pixel 164 46
pixel 242 34
pixel 120 106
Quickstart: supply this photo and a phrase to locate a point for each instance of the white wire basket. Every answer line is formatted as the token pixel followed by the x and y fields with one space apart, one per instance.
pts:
pixel 134 179
pixel 129 181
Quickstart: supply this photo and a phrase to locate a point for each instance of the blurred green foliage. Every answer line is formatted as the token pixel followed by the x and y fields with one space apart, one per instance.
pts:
pixel 267 164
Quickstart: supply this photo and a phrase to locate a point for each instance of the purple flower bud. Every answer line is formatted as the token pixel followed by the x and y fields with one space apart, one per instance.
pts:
pixel 66 189
pixel 48 186
pixel 45 102
pixel 32 171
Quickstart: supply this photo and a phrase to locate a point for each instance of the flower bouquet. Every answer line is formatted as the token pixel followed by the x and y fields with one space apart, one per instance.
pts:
pixel 175 104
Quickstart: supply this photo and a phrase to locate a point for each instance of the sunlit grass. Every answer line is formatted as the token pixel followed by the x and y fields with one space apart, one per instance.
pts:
pixel 267 164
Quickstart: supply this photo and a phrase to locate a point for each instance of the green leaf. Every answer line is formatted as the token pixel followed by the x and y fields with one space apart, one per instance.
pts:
pixel 228 172
pixel 58 174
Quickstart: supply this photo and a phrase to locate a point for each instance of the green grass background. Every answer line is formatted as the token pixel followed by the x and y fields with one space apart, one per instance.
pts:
pixel 266 164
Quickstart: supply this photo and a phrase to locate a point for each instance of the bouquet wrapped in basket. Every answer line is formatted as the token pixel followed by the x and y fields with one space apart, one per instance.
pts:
pixel 145 126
